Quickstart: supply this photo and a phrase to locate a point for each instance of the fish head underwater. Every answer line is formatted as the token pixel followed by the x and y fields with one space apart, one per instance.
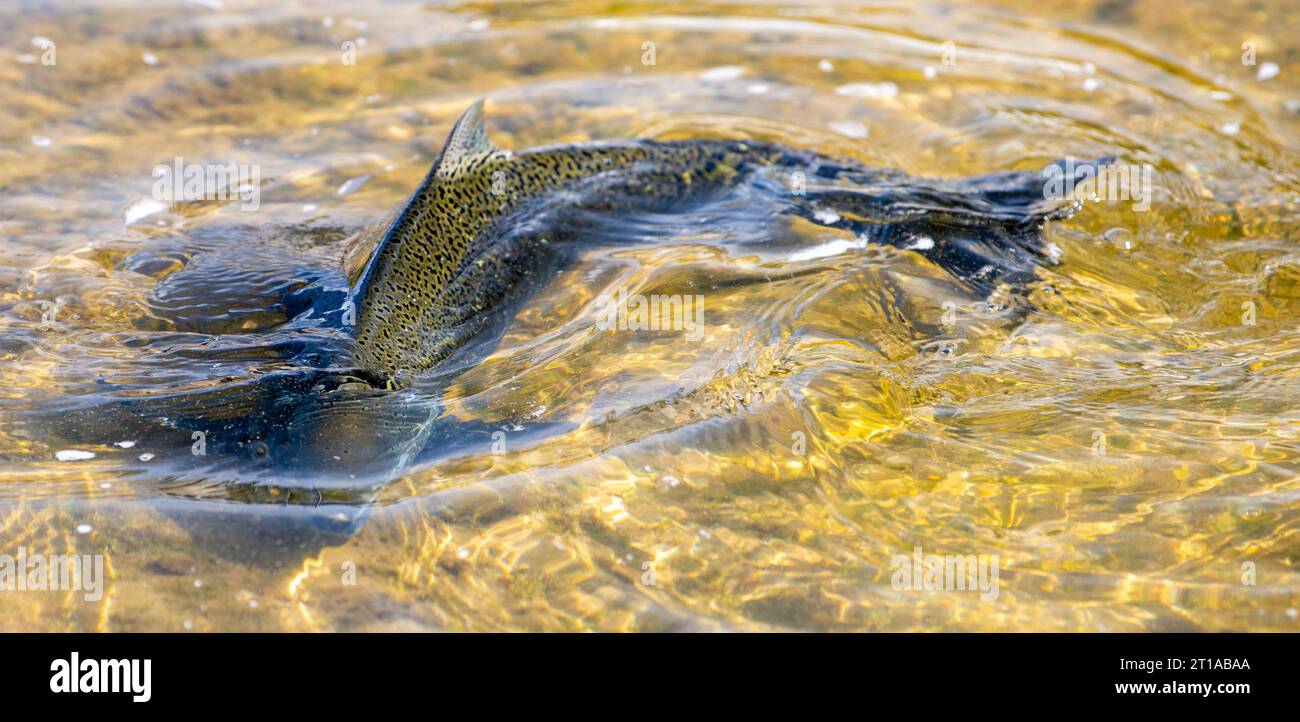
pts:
pixel 322 429
pixel 428 292
pixel 314 429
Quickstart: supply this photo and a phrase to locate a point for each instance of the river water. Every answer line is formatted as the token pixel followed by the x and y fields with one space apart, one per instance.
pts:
pixel 1120 444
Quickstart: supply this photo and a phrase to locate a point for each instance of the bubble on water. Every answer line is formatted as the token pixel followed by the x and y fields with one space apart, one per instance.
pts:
pixel 187 624
pixel 327 22
pixel 309 208
pixel 850 128
pixel 1120 238
pixel 73 455
pixel 1230 128
pixel 462 553
pixel 146 457
pixel 722 73
pixel 758 89
pixel 930 72
pixel 149 59
pixel 84 529
pixel 41 141
pixel 825 66
pixel 352 185
pixel 1268 71
pixel 1091 84
pixel 881 91
pixel 479 24
pixel 198 583
pixel 1220 95
pixel 124 444
pixel 920 243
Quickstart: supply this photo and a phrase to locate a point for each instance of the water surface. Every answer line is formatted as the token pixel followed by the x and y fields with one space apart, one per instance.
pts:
pixel 1125 442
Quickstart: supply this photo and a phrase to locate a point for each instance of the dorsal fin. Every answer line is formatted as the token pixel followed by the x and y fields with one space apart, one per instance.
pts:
pixel 468 141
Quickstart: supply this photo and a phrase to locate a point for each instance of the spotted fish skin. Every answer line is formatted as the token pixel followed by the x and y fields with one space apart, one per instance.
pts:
pixel 444 261
pixel 480 231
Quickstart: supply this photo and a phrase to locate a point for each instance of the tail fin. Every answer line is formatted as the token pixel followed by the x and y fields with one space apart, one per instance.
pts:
pixel 984 230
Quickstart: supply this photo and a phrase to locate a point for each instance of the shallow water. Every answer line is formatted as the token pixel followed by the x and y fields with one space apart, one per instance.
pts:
pixel 1126 444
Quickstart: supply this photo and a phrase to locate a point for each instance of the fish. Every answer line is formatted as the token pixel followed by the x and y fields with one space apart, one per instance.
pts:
pixel 487 225
pixel 432 287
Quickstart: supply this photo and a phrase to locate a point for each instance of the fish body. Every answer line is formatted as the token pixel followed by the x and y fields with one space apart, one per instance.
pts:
pixel 476 232
pixel 485 225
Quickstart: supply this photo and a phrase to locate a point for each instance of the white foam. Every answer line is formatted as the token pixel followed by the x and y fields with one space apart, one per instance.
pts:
pixel 826 215
pixel 850 128
pixel 352 185
pixel 831 248
pixel 920 243
pixel 143 208
pixel 883 91
pixel 722 73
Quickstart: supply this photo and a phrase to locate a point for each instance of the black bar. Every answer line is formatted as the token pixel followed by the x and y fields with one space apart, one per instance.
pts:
pixel 960 672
